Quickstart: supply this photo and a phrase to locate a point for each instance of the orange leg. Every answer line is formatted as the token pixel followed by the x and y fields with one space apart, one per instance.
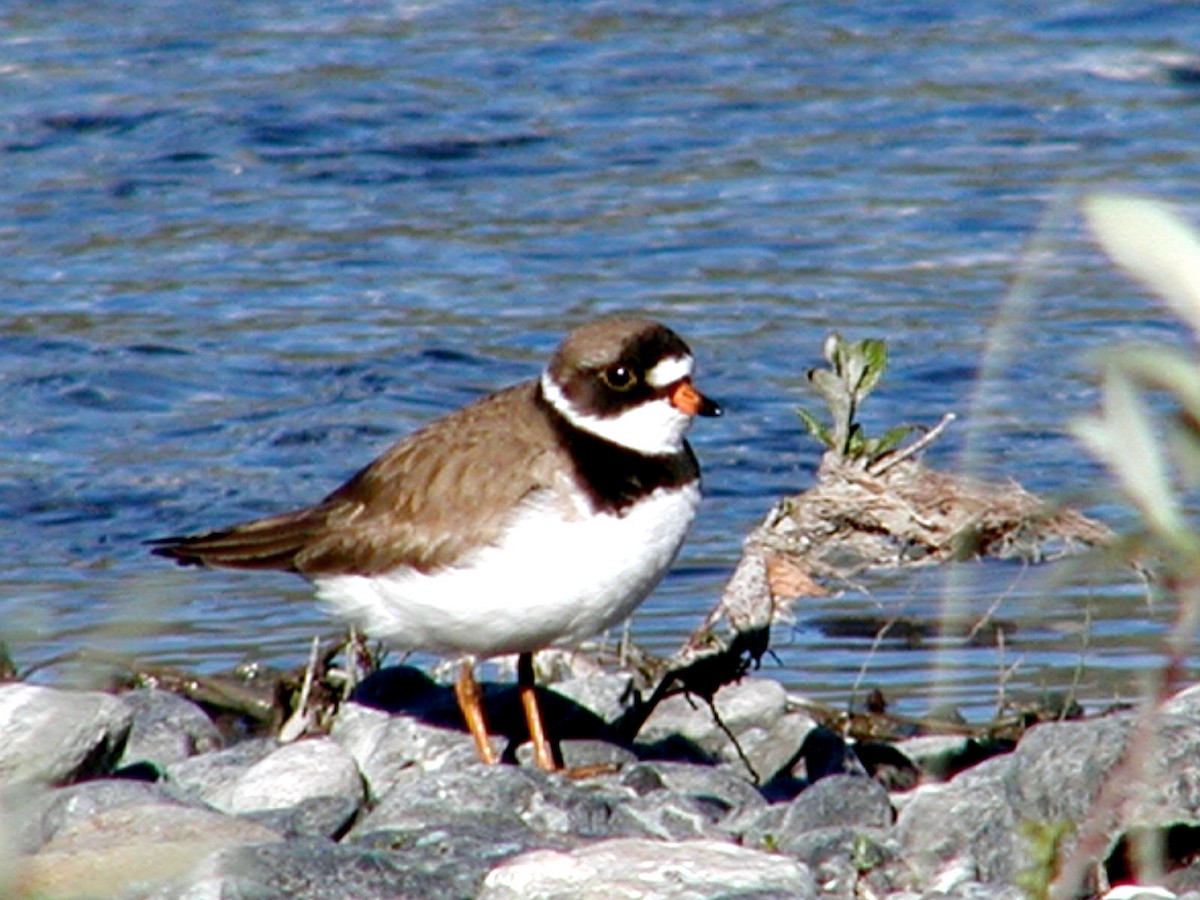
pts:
pixel 470 701
pixel 542 752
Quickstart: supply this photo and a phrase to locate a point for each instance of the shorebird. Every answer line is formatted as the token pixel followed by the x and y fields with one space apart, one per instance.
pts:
pixel 540 515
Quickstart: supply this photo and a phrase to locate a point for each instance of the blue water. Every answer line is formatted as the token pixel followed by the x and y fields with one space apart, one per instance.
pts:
pixel 245 246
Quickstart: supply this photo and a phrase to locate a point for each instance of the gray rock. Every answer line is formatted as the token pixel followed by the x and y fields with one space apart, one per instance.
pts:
pixel 1058 771
pixel 839 800
pixel 386 746
pixel 442 862
pixel 850 862
pixel 458 856
pixel 657 799
pixel 1172 767
pixel 1175 774
pixel 327 817
pixel 770 751
pixel 965 826
pixel 750 703
pixel 607 695
pixel 581 753
pixel 668 816
pixel 1057 768
pixel 129 850
pixel 934 753
pixel 421 799
pixel 211 776
pixel 719 789
pixel 550 805
pixel 292 774
pixel 1185 704
pixel 166 729
pixel 627 867
pixel 56 736
pixel 969 825
pixel 34 816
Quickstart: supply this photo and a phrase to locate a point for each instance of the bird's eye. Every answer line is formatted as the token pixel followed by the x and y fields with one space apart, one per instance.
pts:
pixel 619 378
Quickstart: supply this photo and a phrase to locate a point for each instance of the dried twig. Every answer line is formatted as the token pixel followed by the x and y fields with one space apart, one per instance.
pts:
pixel 891 460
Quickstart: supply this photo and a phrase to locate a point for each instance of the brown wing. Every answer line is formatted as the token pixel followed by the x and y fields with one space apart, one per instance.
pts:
pixel 270 543
pixel 423 503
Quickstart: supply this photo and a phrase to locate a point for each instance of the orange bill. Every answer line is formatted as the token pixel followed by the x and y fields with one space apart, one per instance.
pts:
pixel 688 400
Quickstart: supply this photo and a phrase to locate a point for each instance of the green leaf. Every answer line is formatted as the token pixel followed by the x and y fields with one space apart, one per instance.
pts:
pixel 855 367
pixel 890 439
pixel 873 353
pixel 841 409
pixel 814 427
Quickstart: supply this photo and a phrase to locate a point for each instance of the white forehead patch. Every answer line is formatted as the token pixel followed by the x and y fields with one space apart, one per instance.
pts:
pixel 669 371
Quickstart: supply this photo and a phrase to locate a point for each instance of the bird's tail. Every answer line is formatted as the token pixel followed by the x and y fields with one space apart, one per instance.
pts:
pixel 270 543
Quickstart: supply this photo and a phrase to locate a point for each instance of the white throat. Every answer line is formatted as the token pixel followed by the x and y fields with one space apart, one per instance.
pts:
pixel 655 428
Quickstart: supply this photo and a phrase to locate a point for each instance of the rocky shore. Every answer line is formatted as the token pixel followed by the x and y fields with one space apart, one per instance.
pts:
pixel 138 795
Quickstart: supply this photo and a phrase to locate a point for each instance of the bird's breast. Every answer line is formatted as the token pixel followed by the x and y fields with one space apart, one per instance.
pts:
pixel 554 576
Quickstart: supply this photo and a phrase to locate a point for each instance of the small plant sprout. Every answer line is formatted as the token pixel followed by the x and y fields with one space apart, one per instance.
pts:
pixel 855 367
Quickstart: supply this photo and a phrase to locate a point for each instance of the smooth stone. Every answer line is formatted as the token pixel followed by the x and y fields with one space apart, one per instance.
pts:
pixel 771 751
pixel 1058 767
pixel 721 789
pixel 387 746
pixel 423 799
pixel 970 824
pixel 668 816
pixel 325 817
pixel 631 867
pixel 1185 703
pixel 34 816
pixel 607 695
pixel 129 850
pixel 55 736
pixel 750 703
pixel 548 804
pixel 166 728
pixel 211 777
pixel 294 773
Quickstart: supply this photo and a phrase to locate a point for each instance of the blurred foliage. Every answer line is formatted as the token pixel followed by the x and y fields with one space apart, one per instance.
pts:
pixel 1044 841
pixel 1152 449
pixel 1154 456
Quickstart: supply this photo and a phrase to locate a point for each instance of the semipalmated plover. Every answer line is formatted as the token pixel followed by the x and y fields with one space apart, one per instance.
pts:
pixel 541 514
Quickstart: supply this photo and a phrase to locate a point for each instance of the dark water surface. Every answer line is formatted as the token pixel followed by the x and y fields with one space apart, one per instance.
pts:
pixel 247 245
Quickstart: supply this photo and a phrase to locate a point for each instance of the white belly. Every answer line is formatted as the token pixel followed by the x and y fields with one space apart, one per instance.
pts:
pixel 550 581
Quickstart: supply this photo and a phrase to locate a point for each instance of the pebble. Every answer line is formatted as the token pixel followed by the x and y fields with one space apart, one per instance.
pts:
pixel 393 803
pixel 294 774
